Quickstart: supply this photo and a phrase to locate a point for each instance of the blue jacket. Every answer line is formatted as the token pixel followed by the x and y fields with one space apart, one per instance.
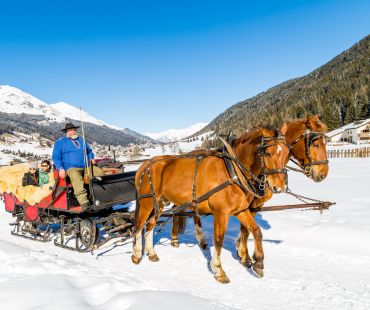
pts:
pixel 68 153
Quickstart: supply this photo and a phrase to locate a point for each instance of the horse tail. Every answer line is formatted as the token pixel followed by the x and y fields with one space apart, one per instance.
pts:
pixel 181 224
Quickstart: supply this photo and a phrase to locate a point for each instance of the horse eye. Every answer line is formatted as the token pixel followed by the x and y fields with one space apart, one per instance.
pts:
pixel 315 144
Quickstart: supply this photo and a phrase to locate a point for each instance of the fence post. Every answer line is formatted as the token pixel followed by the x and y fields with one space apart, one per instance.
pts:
pixel 359 152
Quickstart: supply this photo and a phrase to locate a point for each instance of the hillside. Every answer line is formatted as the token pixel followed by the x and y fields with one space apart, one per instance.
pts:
pixel 25 113
pixel 338 91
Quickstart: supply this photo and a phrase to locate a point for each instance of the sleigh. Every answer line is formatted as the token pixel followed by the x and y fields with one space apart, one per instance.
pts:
pixel 60 215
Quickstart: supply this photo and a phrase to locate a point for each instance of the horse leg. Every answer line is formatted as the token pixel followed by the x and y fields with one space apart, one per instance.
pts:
pixel 149 234
pixel 143 214
pixel 242 247
pixel 175 231
pixel 248 221
pixel 137 253
pixel 199 233
pixel 220 224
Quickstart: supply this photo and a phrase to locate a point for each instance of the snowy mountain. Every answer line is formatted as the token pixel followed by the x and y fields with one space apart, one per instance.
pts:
pixel 69 111
pixel 176 134
pixel 13 100
pixel 28 114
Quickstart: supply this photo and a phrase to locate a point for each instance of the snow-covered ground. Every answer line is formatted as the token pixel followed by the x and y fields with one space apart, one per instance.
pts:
pixel 345 146
pixel 312 261
pixel 176 147
pixel 22 143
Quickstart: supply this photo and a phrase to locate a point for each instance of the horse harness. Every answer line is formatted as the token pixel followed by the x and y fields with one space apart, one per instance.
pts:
pixel 261 151
pixel 309 137
pixel 253 184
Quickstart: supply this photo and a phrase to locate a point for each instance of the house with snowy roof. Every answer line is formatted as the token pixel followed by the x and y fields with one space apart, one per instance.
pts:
pixel 357 132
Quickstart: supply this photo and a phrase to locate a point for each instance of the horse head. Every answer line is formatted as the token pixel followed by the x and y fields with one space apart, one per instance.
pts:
pixel 306 139
pixel 265 151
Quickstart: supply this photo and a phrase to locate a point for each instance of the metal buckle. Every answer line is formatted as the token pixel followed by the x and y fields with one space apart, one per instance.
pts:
pixel 308 170
pixel 261 185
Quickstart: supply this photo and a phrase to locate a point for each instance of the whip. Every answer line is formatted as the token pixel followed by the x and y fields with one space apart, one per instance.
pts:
pixel 84 150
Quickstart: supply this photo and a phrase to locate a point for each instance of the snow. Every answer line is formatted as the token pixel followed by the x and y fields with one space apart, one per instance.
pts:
pixel 176 147
pixel 176 134
pixel 69 111
pixel 345 146
pixel 16 143
pixel 312 260
pixel 13 100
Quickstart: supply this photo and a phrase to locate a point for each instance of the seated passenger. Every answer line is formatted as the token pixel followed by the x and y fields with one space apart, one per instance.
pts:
pixel 32 176
pixel 44 172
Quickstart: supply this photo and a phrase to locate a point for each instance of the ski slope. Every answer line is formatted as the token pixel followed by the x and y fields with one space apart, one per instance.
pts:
pixel 312 261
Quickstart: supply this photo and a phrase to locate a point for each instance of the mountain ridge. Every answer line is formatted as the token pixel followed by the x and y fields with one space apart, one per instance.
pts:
pixel 338 91
pixel 23 112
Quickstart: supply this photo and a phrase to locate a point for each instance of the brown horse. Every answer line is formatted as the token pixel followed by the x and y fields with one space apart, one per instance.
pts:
pixel 306 141
pixel 307 145
pixel 171 179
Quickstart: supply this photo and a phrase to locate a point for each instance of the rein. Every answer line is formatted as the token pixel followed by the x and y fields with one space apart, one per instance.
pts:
pixel 241 170
pixel 261 154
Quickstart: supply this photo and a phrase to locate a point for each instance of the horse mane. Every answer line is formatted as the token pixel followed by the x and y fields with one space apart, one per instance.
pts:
pixel 255 133
pixel 204 152
pixel 313 123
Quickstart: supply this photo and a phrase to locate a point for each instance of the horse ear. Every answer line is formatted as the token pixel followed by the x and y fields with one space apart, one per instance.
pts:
pixel 283 129
pixel 316 118
pixel 310 122
pixel 319 125
pixel 230 137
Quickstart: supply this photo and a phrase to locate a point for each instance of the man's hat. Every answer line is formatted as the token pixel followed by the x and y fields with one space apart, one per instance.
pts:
pixel 70 126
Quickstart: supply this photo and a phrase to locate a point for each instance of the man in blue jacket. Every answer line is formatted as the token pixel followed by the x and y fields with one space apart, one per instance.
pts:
pixel 69 159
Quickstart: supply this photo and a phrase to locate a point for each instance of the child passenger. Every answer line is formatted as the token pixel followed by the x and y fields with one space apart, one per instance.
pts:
pixel 32 176
pixel 44 172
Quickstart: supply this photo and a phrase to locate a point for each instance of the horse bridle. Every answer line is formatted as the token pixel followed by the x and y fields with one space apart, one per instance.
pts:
pixel 309 137
pixel 265 143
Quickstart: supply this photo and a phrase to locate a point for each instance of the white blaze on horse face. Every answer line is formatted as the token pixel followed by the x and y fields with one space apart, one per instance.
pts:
pixel 279 149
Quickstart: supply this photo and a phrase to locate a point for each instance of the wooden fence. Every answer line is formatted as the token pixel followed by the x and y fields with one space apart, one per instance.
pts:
pixel 360 152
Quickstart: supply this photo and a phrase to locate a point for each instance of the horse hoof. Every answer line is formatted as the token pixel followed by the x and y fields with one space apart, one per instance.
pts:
pixel 175 244
pixel 247 263
pixel 222 279
pixel 154 258
pixel 258 271
pixel 135 260
pixel 203 245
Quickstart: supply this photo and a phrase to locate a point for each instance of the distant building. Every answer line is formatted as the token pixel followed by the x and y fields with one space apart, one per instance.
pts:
pixel 357 132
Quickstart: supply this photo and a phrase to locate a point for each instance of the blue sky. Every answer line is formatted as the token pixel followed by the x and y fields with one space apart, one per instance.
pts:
pixel 154 65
